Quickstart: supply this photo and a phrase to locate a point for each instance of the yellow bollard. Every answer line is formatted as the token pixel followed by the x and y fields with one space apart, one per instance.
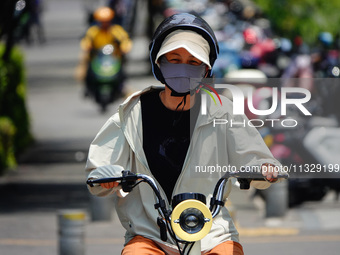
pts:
pixel 71 232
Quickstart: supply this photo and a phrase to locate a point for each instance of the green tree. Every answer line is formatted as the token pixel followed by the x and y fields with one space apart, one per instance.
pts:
pixel 15 133
pixel 306 18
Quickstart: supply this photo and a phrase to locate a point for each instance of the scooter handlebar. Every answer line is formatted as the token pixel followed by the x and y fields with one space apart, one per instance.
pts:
pixel 254 175
pixel 127 180
pixel 91 182
pixel 245 176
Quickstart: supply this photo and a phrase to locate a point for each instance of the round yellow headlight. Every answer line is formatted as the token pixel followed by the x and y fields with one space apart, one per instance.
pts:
pixel 191 220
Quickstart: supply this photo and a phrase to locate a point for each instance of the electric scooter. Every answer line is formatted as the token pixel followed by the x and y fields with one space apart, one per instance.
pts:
pixel 190 219
pixel 104 78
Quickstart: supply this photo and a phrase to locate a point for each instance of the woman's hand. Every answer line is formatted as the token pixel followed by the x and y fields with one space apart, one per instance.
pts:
pixel 270 172
pixel 109 185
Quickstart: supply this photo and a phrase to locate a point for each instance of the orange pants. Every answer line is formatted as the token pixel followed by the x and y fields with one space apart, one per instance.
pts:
pixel 142 246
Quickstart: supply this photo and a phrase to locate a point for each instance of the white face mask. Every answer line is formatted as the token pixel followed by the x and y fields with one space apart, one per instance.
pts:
pixel 182 78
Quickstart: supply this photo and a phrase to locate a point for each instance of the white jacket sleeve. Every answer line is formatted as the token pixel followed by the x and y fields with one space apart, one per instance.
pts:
pixel 108 156
pixel 249 148
pixel 109 147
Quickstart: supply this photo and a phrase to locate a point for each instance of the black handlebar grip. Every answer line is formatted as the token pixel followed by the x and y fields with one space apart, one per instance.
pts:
pixel 90 183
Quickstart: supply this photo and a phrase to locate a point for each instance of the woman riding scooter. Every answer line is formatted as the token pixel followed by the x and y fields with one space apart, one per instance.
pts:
pixel 160 132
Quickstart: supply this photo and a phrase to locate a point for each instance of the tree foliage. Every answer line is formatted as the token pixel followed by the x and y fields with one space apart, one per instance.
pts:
pixel 306 18
pixel 15 133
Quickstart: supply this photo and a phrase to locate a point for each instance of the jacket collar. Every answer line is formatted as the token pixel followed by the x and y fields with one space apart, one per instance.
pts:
pixel 213 110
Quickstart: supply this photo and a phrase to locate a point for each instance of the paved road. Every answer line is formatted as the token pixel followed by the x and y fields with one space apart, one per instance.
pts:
pixel 50 175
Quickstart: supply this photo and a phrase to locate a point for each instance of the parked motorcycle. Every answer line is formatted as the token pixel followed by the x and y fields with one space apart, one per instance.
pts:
pixel 312 143
pixel 190 218
pixel 309 150
pixel 104 79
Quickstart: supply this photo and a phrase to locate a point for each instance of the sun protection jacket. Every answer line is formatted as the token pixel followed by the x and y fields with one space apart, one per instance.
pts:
pixel 213 149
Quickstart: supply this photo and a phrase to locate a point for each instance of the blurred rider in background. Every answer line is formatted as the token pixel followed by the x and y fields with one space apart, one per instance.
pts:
pixel 97 36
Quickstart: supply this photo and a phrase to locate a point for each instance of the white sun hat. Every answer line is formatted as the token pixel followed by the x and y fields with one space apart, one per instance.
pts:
pixel 194 43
